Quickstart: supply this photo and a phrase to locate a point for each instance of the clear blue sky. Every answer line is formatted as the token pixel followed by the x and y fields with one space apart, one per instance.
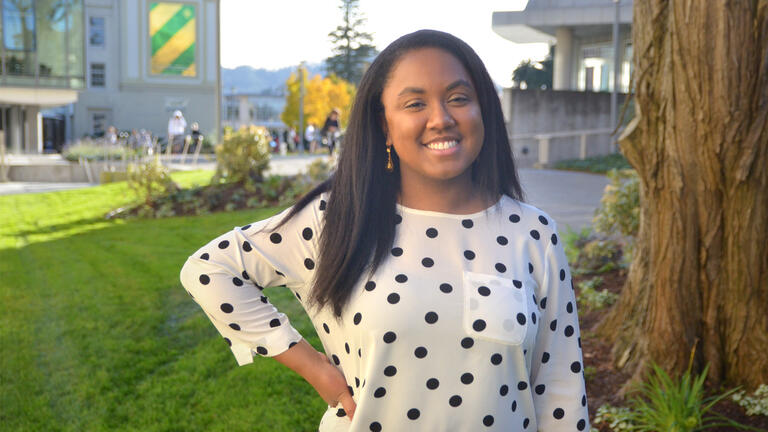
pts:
pixel 276 33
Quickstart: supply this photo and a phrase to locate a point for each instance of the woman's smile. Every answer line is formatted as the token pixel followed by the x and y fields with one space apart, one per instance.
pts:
pixel 443 145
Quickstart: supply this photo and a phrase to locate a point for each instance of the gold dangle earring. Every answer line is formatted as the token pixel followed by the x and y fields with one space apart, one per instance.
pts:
pixel 390 165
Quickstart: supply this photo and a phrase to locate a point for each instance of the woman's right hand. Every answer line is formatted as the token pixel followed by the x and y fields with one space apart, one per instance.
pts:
pixel 321 374
pixel 330 384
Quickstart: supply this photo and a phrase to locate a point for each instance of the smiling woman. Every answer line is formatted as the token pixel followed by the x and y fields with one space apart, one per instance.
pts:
pixel 434 122
pixel 442 300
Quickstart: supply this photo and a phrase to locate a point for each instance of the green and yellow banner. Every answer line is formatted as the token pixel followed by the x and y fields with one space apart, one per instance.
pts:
pixel 172 32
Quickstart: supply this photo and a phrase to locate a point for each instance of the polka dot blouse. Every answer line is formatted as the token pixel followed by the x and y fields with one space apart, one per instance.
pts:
pixel 470 323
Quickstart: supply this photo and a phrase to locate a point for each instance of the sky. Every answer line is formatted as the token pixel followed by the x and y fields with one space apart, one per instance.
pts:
pixel 272 34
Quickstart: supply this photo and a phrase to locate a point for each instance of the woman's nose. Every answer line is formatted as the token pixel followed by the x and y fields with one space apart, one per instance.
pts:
pixel 440 118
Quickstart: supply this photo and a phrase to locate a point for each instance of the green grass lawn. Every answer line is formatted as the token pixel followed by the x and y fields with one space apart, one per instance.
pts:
pixel 96 332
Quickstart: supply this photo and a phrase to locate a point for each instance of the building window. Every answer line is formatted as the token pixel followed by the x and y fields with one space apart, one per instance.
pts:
pixel 96 33
pixel 596 68
pixel 98 75
pixel 19 25
pixel 100 119
pixel 172 33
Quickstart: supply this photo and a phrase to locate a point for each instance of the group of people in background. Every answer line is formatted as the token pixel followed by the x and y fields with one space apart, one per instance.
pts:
pixel 177 126
pixel 282 141
pixel 312 139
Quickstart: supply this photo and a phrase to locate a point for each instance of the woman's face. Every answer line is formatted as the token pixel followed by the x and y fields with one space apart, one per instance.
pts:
pixel 432 117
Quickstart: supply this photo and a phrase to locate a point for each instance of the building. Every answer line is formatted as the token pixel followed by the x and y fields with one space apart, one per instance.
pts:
pixel 582 31
pixel 577 118
pixel 41 67
pixel 257 109
pixel 145 59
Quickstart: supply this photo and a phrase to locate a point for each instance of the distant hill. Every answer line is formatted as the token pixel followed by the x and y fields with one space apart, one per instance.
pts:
pixel 246 79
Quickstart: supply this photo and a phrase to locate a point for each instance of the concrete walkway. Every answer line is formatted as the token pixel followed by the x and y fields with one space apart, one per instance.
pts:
pixel 11 188
pixel 569 197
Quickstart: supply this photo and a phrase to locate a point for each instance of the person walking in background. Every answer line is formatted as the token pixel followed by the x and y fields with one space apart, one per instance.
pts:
pixel 111 135
pixel 195 134
pixel 145 140
pixel 309 137
pixel 330 130
pixel 176 127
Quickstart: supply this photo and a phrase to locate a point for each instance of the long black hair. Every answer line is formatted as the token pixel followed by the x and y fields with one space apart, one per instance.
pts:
pixel 360 219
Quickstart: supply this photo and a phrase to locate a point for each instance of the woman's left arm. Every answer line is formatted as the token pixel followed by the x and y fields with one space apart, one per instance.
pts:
pixel 557 377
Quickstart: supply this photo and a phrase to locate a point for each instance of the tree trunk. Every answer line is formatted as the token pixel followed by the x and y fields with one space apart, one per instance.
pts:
pixel 699 142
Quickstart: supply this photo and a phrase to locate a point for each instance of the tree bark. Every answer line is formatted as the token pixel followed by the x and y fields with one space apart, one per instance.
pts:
pixel 699 143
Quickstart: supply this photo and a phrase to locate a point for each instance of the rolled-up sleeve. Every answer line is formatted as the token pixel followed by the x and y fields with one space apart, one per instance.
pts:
pixel 557 366
pixel 226 277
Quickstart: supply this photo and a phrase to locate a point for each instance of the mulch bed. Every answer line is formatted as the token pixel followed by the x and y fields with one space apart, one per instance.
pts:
pixel 272 192
pixel 603 385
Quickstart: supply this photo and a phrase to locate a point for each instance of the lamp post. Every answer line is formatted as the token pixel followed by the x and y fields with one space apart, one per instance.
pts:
pixel 614 92
pixel 301 105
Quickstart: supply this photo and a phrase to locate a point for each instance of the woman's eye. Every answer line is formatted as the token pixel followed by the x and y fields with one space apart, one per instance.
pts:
pixel 459 99
pixel 414 105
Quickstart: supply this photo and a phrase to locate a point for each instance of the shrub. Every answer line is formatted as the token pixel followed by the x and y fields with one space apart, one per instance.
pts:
pixel 666 404
pixel 671 405
pixel 242 156
pixel 591 252
pixel 96 150
pixel 590 297
pixel 618 419
pixel 319 170
pixel 757 404
pixel 619 209
pixel 150 180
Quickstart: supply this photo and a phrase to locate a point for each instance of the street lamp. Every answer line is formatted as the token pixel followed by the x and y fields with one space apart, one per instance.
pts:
pixel 301 105
pixel 614 93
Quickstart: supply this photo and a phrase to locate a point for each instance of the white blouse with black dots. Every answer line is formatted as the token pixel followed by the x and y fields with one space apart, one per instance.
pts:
pixel 469 325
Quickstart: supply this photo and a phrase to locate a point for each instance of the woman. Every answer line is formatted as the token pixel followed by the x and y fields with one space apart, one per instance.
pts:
pixel 330 129
pixel 443 302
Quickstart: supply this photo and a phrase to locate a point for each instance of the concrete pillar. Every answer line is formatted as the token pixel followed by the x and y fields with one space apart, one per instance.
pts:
pixel 245 111
pixel 15 128
pixel 33 130
pixel 561 79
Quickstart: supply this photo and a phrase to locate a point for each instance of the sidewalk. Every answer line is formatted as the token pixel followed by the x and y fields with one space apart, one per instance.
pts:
pixel 11 188
pixel 569 197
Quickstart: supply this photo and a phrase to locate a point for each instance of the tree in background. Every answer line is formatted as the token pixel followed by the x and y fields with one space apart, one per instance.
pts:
pixel 535 74
pixel 352 48
pixel 321 95
pixel 699 143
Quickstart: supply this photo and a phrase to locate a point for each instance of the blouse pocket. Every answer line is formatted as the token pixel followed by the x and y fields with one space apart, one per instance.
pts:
pixel 496 308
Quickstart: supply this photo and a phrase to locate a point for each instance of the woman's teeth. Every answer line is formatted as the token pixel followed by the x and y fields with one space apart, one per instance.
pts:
pixel 442 145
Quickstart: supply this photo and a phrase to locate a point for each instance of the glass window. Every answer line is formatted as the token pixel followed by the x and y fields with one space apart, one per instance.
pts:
pixel 19 63
pixel 99 122
pixel 19 25
pixel 98 75
pixel 96 33
pixel 52 37
pixel 76 28
pixel 596 68
pixel 626 68
pixel 172 31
